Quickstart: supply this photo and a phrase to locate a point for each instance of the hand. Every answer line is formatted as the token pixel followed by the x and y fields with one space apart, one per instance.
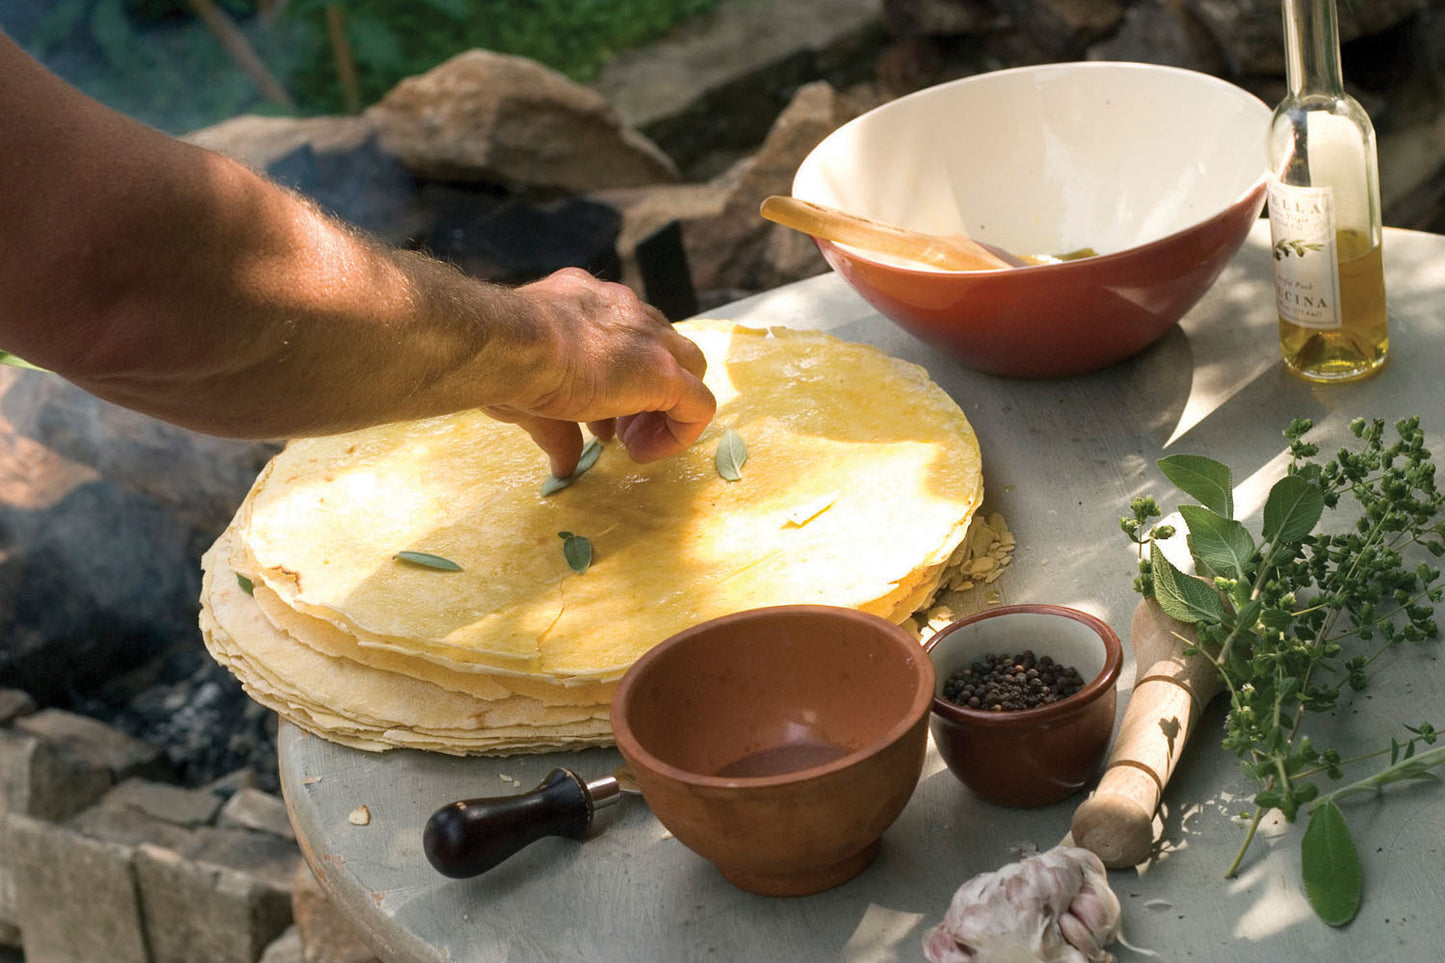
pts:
pixel 616 364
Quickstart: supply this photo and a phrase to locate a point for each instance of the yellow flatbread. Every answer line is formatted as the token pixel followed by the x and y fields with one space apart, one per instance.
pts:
pixel 860 479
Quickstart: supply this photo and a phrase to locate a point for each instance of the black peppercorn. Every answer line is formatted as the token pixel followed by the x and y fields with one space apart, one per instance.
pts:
pixel 1004 683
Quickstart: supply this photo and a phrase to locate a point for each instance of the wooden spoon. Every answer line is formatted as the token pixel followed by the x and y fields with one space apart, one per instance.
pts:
pixel 1116 823
pixel 956 252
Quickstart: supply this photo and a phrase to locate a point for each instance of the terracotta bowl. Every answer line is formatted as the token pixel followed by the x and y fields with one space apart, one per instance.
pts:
pixel 779 743
pixel 1028 757
pixel 1159 170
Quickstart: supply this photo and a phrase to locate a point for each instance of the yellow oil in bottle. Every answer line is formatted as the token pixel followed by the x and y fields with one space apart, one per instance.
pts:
pixel 1358 347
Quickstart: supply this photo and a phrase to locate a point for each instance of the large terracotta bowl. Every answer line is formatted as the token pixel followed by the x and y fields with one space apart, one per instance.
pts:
pixel 779 743
pixel 1028 757
pixel 1159 170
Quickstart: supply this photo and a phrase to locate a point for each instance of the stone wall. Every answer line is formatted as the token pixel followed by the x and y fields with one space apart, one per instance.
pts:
pixel 103 859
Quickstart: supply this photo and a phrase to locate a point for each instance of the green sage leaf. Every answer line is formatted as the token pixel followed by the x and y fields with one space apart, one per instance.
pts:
pixel 1180 596
pixel 1218 544
pixel 577 550
pixel 1292 510
pixel 428 560
pixel 1202 479
pixel 586 460
pixel 247 586
pixel 731 454
pixel 1330 866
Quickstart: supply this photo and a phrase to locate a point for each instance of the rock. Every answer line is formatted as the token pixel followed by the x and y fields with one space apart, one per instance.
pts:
pixel 718 82
pixel 484 116
pixel 13 704
pixel 734 248
pixel 56 867
pixel 1063 28
pixel 206 913
pixel 326 936
pixel 285 948
pixel 94 744
pixel 254 809
pixel 937 18
pixel 515 240
pixel 1251 34
pixel 173 804
pixel 258 142
pixel 104 514
pixel 1163 32
pixel 37 779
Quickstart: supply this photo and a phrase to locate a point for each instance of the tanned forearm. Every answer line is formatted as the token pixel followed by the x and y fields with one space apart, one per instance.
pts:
pixel 176 282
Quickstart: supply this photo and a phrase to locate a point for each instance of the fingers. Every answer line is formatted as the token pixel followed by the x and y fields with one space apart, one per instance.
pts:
pixel 560 440
pixel 651 435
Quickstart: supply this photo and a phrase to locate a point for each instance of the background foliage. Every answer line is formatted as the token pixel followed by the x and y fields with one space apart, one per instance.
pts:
pixel 154 60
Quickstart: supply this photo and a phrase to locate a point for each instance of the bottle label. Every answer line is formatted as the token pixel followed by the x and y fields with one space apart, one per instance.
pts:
pixel 1306 262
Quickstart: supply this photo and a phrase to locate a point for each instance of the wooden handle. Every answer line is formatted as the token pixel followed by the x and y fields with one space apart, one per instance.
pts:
pixel 954 253
pixel 1116 823
pixel 468 838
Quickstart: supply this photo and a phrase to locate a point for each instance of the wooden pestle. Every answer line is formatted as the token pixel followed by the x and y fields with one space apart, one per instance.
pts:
pixel 954 252
pixel 1116 822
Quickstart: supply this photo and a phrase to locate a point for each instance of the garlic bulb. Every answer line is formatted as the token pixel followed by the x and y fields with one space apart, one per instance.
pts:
pixel 1055 907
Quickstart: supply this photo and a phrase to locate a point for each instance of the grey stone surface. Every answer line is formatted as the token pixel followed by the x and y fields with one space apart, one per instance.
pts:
pixel 38 779
pixel 55 868
pixel 254 809
pixel 198 912
pixel 90 742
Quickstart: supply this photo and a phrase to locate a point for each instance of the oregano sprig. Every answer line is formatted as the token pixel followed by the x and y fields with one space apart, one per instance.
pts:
pixel 1295 616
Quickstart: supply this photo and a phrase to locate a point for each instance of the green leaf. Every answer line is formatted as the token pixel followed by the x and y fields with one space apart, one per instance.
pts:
pixel 731 454
pixel 247 586
pixel 590 453
pixel 1292 510
pixel 1181 597
pixel 428 560
pixel 577 550
pixel 1330 866
pixel 1203 479
pixel 1219 544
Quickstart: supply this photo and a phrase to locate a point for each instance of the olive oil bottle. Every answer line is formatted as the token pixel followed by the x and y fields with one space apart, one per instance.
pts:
pixel 1324 210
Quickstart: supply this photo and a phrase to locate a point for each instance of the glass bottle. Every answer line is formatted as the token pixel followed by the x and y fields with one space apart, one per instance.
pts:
pixel 1324 210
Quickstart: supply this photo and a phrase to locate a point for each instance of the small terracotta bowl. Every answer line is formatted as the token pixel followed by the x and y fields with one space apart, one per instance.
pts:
pixel 1028 757
pixel 779 743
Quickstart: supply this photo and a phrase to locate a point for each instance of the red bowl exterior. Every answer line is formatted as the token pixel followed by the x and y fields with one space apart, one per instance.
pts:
pixel 1058 319
pixel 1031 757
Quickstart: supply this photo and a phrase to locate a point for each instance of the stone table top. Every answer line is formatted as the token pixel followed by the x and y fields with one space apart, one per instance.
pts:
pixel 1063 458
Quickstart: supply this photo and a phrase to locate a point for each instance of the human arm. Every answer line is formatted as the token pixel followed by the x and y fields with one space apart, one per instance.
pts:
pixel 171 280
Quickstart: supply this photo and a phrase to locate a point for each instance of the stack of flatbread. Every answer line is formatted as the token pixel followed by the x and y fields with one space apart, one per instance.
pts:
pixel 406 585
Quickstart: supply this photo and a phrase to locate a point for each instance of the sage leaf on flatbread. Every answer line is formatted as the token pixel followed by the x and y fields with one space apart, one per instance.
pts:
pixel 731 454
pixel 588 458
pixel 577 550
pixel 428 560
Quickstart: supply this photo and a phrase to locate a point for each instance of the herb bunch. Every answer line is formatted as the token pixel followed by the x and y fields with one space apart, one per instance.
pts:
pixel 1293 618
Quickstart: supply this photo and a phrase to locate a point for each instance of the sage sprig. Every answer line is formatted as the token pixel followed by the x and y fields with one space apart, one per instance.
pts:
pixel 1294 617
pixel 731 454
pixel 247 586
pixel 586 460
pixel 577 550
pixel 428 560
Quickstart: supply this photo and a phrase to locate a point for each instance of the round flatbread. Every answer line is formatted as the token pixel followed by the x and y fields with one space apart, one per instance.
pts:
pixel 860 479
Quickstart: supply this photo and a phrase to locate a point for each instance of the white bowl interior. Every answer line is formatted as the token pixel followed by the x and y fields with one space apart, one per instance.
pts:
pixel 1049 159
pixel 1067 641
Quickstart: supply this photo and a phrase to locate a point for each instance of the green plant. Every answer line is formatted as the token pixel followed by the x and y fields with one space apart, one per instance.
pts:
pixel 1295 617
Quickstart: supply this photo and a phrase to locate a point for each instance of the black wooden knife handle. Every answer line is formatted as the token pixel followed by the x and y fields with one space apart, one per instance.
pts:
pixel 469 837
